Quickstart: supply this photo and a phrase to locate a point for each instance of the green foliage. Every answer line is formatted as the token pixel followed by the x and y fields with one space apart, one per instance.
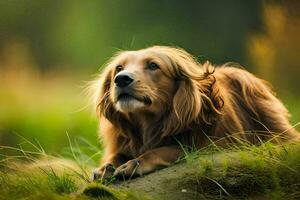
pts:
pixel 73 37
pixel 61 184
pixel 267 170
pixel 46 110
pixel 48 47
pixel 87 33
pixel 241 172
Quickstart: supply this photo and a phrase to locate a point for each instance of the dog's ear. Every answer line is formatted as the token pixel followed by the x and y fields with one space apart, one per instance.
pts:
pixel 102 86
pixel 185 108
pixel 187 102
pixel 97 90
pixel 101 99
pixel 197 98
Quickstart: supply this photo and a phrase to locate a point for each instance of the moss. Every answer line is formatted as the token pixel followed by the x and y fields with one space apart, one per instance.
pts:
pixel 267 171
pixel 99 191
pixel 96 190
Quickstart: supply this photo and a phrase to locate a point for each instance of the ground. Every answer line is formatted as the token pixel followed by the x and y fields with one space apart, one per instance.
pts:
pixel 242 172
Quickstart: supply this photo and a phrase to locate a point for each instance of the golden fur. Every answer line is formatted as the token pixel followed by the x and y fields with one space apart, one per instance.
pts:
pixel 181 102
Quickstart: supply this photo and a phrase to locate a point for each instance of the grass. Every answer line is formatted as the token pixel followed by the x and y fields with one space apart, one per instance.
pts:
pixel 243 171
pixel 267 171
pixel 49 115
pixel 41 184
pixel 45 108
pixel 38 175
pixel 246 171
pixel 64 184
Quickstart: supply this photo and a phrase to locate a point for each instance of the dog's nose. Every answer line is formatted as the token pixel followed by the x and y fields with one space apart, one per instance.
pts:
pixel 123 79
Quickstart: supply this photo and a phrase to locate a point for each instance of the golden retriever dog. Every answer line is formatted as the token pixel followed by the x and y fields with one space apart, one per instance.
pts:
pixel 152 101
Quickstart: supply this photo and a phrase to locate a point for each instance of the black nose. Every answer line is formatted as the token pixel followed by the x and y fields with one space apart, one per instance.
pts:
pixel 123 79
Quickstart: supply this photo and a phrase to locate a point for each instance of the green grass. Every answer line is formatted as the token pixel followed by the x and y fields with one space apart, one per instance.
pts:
pixel 64 184
pixel 42 184
pixel 244 171
pixel 38 175
pixel 49 113
pixel 46 109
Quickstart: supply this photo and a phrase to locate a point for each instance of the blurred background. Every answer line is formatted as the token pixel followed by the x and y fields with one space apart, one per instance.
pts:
pixel 50 48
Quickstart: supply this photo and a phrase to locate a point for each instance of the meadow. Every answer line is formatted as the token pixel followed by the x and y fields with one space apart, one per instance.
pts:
pixel 50 49
pixel 244 171
pixel 45 110
pixel 48 108
pixel 49 147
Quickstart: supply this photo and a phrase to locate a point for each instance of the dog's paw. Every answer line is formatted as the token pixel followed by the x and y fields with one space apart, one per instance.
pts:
pixel 104 172
pixel 128 170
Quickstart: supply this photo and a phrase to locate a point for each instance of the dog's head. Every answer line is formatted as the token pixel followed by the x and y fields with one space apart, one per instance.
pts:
pixel 167 82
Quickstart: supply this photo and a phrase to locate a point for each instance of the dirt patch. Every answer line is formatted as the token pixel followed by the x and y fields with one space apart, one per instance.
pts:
pixel 175 182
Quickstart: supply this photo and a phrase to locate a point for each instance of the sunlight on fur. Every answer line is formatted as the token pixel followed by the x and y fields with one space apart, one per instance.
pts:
pixel 151 100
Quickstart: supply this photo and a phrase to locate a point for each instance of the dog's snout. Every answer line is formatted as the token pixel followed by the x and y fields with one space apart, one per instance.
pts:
pixel 123 79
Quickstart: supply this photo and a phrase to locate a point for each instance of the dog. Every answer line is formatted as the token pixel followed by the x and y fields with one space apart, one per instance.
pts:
pixel 153 101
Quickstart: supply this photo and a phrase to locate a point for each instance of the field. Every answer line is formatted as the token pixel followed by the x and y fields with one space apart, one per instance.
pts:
pixel 45 109
pixel 48 108
pixel 242 172
pixel 49 146
pixel 50 49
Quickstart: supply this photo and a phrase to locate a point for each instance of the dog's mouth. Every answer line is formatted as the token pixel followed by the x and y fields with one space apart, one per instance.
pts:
pixel 125 97
pixel 128 97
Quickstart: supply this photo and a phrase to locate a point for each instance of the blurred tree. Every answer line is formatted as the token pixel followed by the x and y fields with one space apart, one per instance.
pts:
pixel 275 52
pixel 77 33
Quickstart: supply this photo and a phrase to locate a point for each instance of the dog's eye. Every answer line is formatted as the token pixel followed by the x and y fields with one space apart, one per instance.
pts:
pixel 119 68
pixel 152 66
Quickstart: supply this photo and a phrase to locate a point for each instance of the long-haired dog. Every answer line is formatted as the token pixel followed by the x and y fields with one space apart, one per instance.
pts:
pixel 152 101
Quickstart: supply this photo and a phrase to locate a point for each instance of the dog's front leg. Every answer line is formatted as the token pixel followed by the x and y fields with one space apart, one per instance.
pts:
pixel 148 162
pixel 108 166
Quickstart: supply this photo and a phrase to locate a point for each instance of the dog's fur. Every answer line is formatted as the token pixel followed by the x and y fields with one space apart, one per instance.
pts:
pixel 181 103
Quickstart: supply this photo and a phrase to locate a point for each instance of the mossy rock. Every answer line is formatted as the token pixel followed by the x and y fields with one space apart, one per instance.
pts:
pixel 96 190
